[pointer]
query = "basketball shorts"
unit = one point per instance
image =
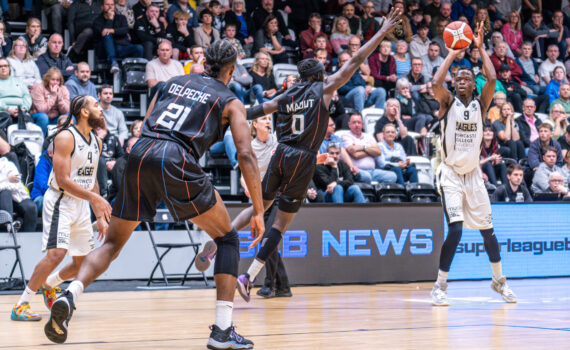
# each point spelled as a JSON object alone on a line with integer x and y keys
{"x": 289, "y": 172}
{"x": 67, "y": 223}
{"x": 465, "y": 198}
{"x": 161, "y": 170}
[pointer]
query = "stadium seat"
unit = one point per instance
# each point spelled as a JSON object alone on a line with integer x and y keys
{"x": 368, "y": 191}
{"x": 10, "y": 282}
{"x": 421, "y": 193}
{"x": 246, "y": 62}
{"x": 32, "y": 136}
{"x": 369, "y": 117}
{"x": 391, "y": 193}
{"x": 282, "y": 70}
{"x": 162, "y": 217}
{"x": 425, "y": 169}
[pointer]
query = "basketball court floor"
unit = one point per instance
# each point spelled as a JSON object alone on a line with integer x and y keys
{"x": 382, "y": 316}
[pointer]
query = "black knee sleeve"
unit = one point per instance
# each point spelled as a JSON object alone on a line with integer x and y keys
{"x": 227, "y": 258}
{"x": 269, "y": 244}
{"x": 450, "y": 245}
{"x": 491, "y": 245}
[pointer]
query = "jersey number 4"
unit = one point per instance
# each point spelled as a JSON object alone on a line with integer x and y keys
{"x": 173, "y": 117}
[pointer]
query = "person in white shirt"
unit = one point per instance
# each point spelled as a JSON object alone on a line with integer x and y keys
{"x": 163, "y": 67}
{"x": 547, "y": 66}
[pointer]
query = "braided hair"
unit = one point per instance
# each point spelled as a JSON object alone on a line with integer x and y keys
{"x": 77, "y": 104}
{"x": 219, "y": 54}
{"x": 311, "y": 70}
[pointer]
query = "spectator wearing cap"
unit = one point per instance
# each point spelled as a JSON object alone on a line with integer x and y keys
{"x": 515, "y": 94}
{"x": 420, "y": 42}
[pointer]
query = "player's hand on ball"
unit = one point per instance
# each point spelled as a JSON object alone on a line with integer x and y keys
{"x": 479, "y": 35}
{"x": 102, "y": 227}
{"x": 257, "y": 229}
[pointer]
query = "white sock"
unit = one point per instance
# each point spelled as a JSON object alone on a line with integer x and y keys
{"x": 75, "y": 288}
{"x": 224, "y": 314}
{"x": 497, "y": 270}
{"x": 54, "y": 280}
{"x": 26, "y": 296}
{"x": 441, "y": 277}
{"x": 254, "y": 269}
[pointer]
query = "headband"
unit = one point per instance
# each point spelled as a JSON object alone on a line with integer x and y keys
{"x": 308, "y": 72}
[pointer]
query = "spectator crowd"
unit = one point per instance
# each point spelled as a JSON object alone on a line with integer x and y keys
{"x": 526, "y": 129}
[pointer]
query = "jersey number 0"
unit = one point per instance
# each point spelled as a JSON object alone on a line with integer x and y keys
{"x": 175, "y": 115}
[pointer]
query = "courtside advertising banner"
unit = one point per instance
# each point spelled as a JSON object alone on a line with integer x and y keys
{"x": 357, "y": 244}
{"x": 534, "y": 240}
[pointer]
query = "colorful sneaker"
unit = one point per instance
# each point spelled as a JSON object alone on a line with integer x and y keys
{"x": 23, "y": 313}
{"x": 244, "y": 286}
{"x": 500, "y": 286}
{"x": 61, "y": 312}
{"x": 439, "y": 295}
{"x": 207, "y": 254}
{"x": 50, "y": 294}
{"x": 227, "y": 339}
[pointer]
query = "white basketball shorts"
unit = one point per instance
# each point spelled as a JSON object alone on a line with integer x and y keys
{"x": 67, "y": 223}
{"x": 465, "y": 198}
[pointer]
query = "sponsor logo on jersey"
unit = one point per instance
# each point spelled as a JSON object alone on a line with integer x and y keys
{"x": 85, "y": 171}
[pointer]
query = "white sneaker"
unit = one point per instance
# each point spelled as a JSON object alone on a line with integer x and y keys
{"x": 439, "y": 295}
{"x": 500, "y": 286}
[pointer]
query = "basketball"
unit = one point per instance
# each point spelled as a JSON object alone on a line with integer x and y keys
{"x": 457, "y": 35}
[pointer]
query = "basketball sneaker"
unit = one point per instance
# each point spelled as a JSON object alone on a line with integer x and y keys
{"x": 227, "y": 339}
{"x": 204, "y": 258}
{"x": 49, "y": 294}
{"x": 439, "y": 295}
{"x": 61, "y": 312}
{"x": 244, "y": 286}
{"x": 22, "y": 312}
{"x": 500, "y": 286}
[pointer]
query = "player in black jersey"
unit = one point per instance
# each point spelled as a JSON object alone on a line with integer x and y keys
{"x": 301, "y": 128}
{"x": 184, "y": 119}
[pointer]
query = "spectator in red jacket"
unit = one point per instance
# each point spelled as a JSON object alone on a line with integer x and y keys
{"x": 499, "y": 57}
{"x": 383, "y": 67}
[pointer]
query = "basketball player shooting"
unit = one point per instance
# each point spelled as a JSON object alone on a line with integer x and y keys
{"x": 185, "y": 118}
{"x": 464, "y": 196}
{"x": 301, "y": 129}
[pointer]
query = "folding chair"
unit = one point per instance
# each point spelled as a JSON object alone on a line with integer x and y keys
{"x": 162, "y": 217}
{"x": 11, "y": 282}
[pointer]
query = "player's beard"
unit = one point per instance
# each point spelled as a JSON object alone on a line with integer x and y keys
{"x": 95, "y": 122}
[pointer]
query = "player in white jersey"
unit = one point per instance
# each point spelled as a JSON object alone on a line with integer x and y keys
{"x": 66, "y": 216}
{"x": 464, "y": 196}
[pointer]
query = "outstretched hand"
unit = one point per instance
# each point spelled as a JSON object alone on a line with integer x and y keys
{"x": 479, "y": 35}
{"x": 391, "y": 20}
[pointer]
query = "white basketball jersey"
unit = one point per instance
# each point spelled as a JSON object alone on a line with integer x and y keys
{"x": 462, "y": 130}
{"x": 84, "y": 161}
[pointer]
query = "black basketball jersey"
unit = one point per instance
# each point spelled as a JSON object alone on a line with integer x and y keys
{"x": 302, "y": 118}
{"x": 189, "y": 110}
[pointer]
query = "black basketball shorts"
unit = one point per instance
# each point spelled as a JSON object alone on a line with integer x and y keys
{"x": 290, "y": 171}
{"x": 161, "y": 170}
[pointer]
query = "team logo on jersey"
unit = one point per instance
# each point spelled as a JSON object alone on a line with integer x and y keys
{"x": 465, "y": 126}
{"x": 85, "y": 171}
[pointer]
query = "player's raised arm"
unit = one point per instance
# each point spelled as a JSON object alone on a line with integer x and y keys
{"x": 442, "y": 95}
{"x": 235, "y": 113}
{"x": 338, "y": 79}
{"x": 488, "y": 69}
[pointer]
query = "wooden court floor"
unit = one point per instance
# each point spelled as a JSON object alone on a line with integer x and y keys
{"x": 383, "y": 316}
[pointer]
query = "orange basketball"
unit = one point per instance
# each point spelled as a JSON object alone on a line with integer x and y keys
{"x": 457, "y": 35}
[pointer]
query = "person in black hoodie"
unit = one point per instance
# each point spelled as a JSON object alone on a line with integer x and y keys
{"x": 112, "y": 32}
{"x": 515, "y": 94}
{"x": 179, "y": 34}
{"x": 80, "y": 19}
{"x": 149, "y": 29}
